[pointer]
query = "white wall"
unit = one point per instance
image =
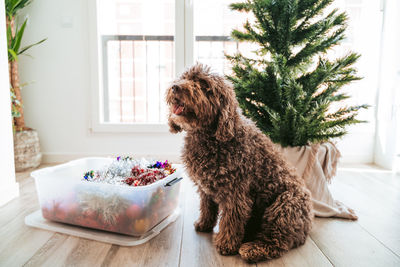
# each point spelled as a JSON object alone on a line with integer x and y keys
{"x": 57, "y": 104}
{"x": 8, "y": 187}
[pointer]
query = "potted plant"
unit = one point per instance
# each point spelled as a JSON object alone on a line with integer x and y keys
{"x": 289, "y": 87}
{"x": 26, "y": 140}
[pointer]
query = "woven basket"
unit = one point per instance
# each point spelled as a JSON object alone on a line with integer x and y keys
{"x": 26, "y": 150}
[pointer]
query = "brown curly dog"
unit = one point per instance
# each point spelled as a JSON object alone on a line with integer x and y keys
{"x": 265, "y": 208}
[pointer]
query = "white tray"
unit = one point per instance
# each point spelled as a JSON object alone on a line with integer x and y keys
{"x": 36, "y": 219}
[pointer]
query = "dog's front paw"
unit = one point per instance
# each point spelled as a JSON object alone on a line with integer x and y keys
{"x": 201, "y": 226}
{"x": 226, "y": 246}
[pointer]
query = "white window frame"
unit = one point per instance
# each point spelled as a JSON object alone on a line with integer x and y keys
{"x": 184, "y": 40}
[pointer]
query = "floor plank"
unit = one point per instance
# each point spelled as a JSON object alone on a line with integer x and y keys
{"x": 386, "y": 178}
{"x": 374, "y": 216}
{"x": 64, "y": 250}
{"x": 22, "y": 241}
{"x": 87, "y": 253}
{"x": 365, "y": 242}
{"x": 55, "y": 252}
{"x": 307, "y": 255}
{"x": 379, "y": 191}
{"x": 163, "y": 250}
{"x": 346, "y": 243}
{"x": 23, "y": 246}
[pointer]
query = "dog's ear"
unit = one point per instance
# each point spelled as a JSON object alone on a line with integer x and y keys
{"x": 227, "y": 119}
{"x": 173, "y": 127}
{"x": 205, "y": 83}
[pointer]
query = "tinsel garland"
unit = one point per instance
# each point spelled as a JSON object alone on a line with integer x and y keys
{"x": 130, "y": 172}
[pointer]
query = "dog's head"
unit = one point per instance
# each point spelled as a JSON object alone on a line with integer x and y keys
{"x": 202, "y": 100}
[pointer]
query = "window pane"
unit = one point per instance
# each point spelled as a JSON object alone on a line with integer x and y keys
{"x": 363, "y": 36}
{"x": 213, "y": 24}
{"x": 138, "y": 58}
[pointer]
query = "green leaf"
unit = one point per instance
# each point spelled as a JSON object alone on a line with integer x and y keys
{"x": 30, "y": 46}
{"x": 14, "y": 6}
{"x": 9, "y": 35}
{"x": 19, "y": 33}
{"x": 240, "y": 6}
{"x": 12, "y": 56}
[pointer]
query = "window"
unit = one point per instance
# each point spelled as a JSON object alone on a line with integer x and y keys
{"x": 137, "y": 43}
{"x": 143, "y": 44}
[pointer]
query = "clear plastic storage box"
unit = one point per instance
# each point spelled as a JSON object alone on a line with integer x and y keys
{"x": 65, "y": 197}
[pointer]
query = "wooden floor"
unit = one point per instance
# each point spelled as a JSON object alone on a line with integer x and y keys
{"x": 373, "y": 240}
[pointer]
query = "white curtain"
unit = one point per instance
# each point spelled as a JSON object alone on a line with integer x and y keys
{"x": 388, "y": 127}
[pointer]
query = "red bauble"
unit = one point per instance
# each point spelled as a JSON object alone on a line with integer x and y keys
{"x": 134, "y": 211}
{"x": 73, "y": 209}
{"x": 60, "y": 215}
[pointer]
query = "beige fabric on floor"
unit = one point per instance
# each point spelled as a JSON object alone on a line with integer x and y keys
{"x": 317, "y": 165}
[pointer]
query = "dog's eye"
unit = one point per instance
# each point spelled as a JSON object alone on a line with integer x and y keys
{"x": 175, "y": 89}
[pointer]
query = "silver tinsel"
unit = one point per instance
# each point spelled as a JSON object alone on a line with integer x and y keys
{"x": 107, "y": 205}
{"x": 118, "y": 170}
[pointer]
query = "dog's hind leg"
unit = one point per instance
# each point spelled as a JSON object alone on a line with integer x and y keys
{"x": 285, "y": 225}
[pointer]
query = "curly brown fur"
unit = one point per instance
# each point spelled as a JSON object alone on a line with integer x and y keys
{"x": 264, "y": 207}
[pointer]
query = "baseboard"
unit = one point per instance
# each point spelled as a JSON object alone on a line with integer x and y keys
{"x": 356, "y": 159}
{"x": 8, "y": 192}
{"x": 64, "y": 157}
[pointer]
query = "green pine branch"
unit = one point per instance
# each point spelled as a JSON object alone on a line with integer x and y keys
{"x": 290, "y": 86}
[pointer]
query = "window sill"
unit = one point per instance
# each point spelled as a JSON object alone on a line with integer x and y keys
{"x": 129, "y": 128}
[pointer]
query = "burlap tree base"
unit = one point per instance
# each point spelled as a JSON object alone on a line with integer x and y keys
{"x": 317, "y": 165}
{"x": 26, "y": 150}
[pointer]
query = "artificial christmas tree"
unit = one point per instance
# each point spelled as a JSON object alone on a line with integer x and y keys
{"x": 290, "y": 84}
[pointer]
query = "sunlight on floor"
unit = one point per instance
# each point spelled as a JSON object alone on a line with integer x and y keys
{"x": 363, "y": 168}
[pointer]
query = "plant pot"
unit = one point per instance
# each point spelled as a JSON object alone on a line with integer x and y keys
{"x": 26, "y": 150}
{"x": 317, "y": 164}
